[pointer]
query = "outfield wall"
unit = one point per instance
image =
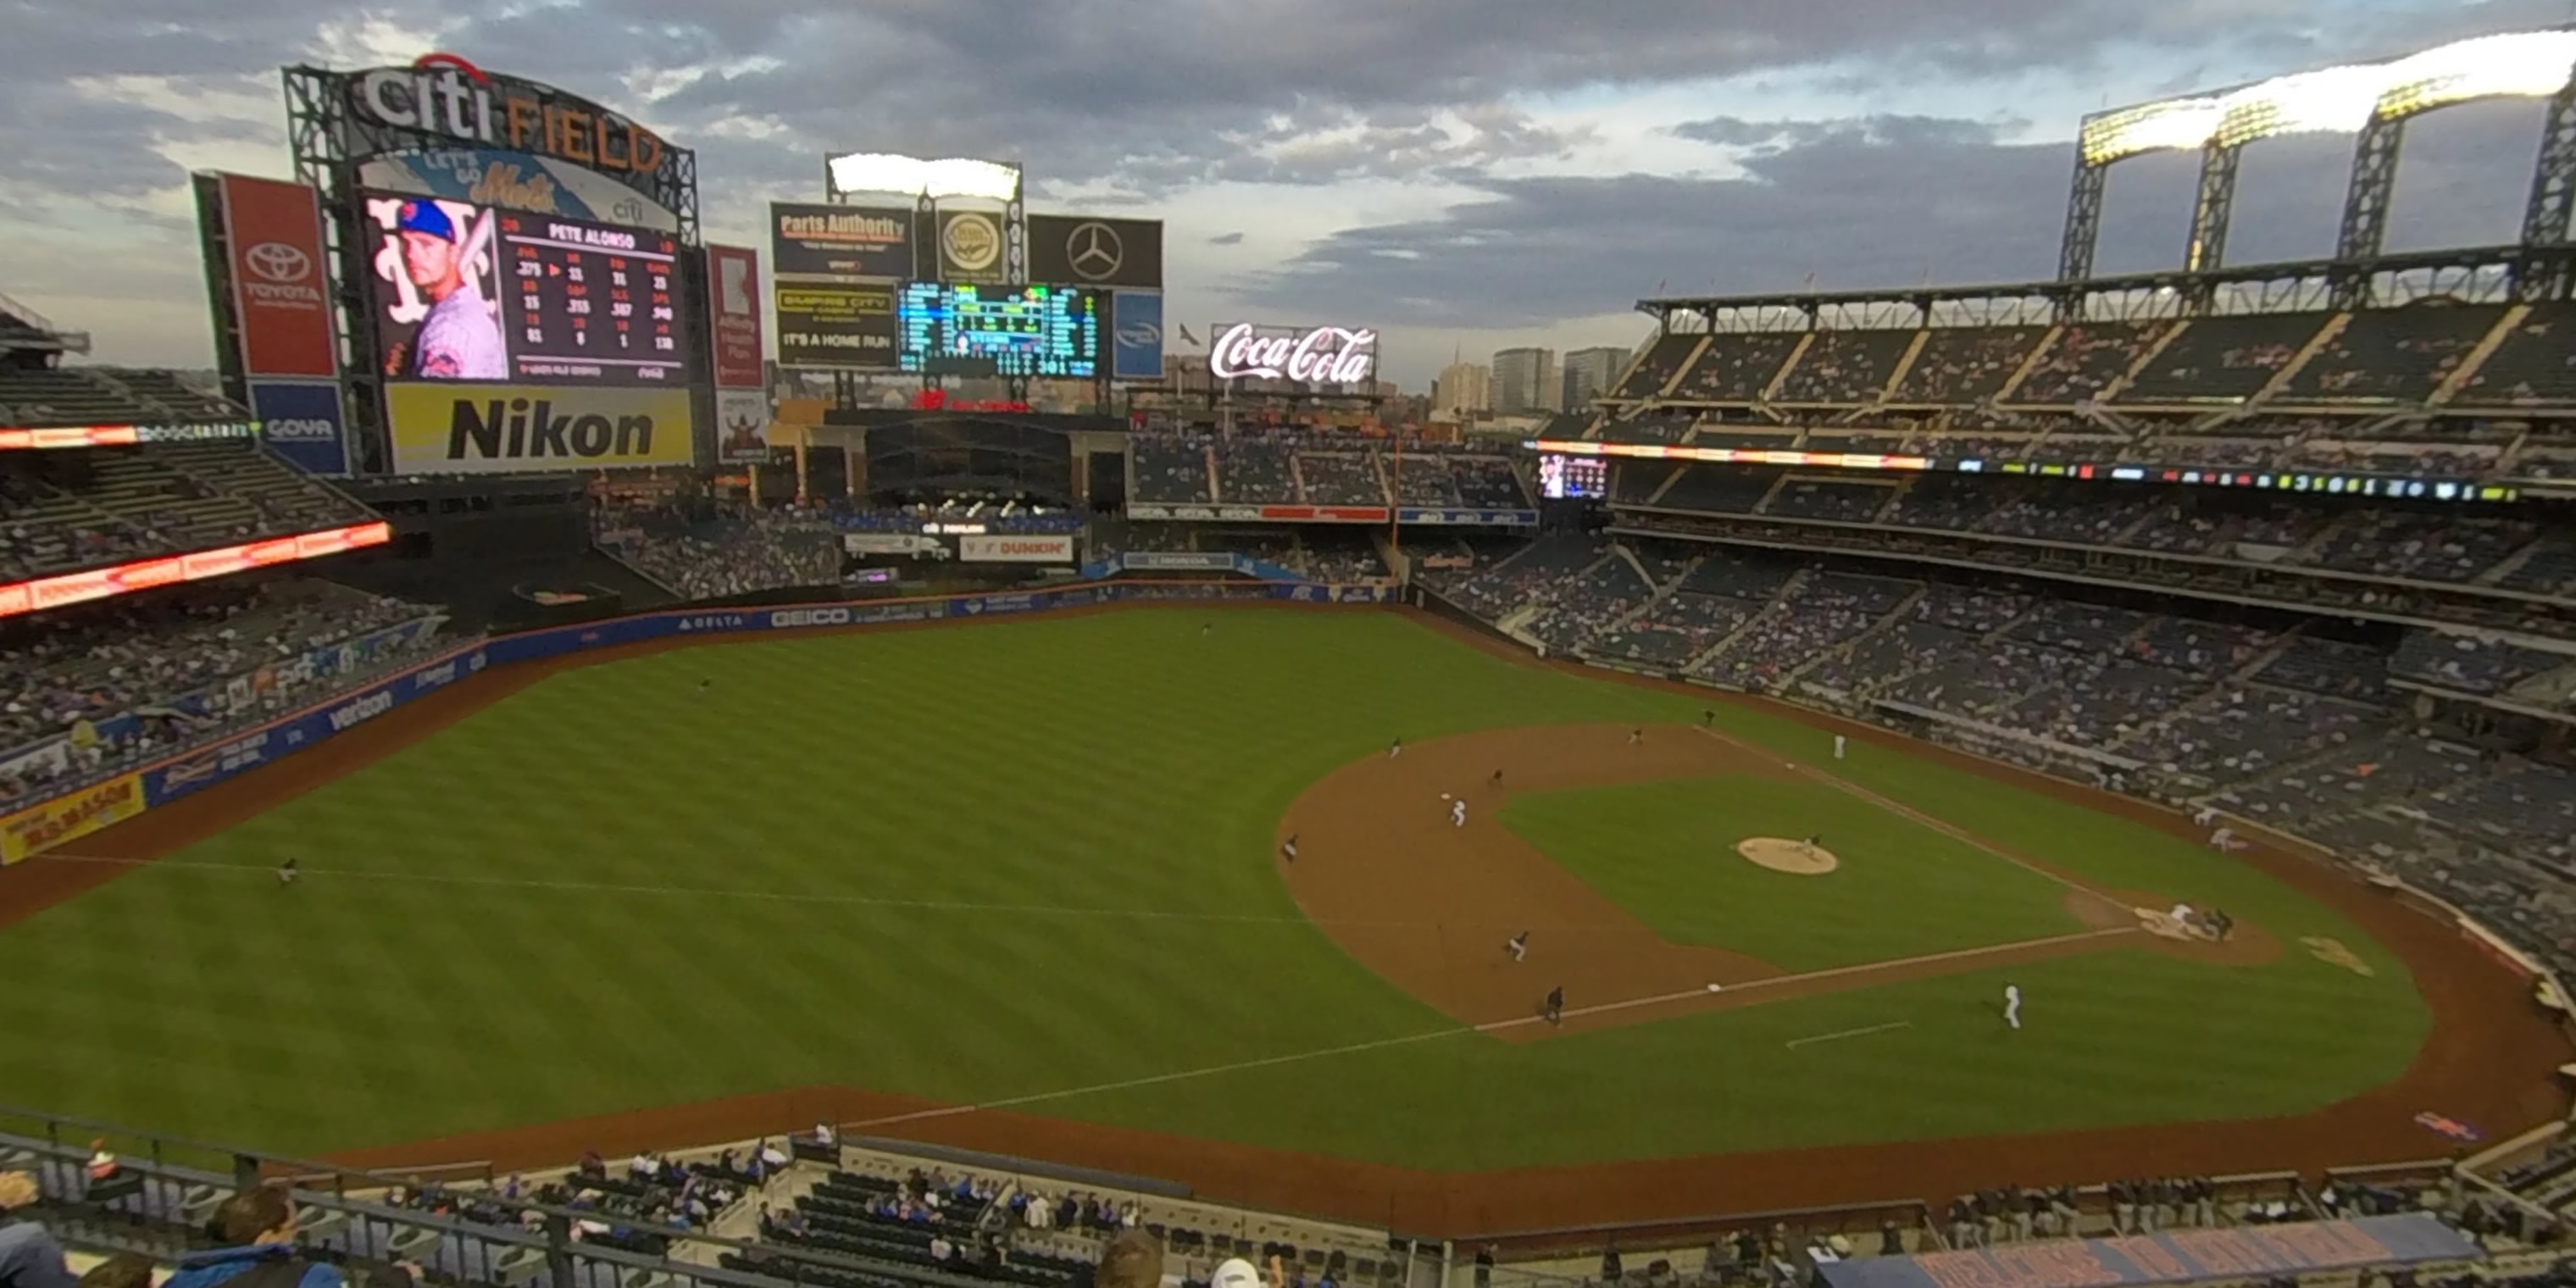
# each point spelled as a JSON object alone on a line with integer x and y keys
{"x": 102, "y": 804}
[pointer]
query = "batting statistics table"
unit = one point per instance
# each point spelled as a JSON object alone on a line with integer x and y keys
{"x": 594, "y": 303}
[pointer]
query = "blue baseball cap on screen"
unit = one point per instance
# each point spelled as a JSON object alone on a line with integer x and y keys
{"x": 425, "y": 217}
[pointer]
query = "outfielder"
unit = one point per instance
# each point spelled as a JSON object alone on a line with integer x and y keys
{"x": 2012, "y": 1006}
{"x": 1838, "y": 746}
{"x": 287, "y": 872}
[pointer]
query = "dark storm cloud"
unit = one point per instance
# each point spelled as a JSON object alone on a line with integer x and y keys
{"x": 1878, "y": 202}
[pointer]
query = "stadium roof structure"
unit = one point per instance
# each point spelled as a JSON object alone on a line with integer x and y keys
{"x": 2373, "y": 101}
{"x": 2309, "y": 284}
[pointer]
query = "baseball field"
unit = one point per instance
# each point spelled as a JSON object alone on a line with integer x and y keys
{"x": 1020, "y": 885}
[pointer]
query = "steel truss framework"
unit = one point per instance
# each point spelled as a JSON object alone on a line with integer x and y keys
{"x": 2471, "y": 275}
{"x": 2364, "y": 226}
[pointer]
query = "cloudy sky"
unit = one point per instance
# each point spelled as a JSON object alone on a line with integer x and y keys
{"x": 1464, "y": 174}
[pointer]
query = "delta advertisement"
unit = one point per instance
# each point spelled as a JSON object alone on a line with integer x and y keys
{"x": 1422, "y": 515}
{"x": 76, "y": 814}
{"x": 504, "y": 429}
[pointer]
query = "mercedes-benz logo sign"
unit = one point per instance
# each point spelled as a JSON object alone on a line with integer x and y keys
{"x": 1094, "y": 250}
{"x": 1141, "y": 335}
{"x": 278, "y": 262}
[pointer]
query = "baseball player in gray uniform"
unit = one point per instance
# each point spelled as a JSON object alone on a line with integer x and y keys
{"x": 460, "y": 339}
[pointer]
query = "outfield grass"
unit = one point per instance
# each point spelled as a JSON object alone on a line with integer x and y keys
{"x": 915, "y": 862}
{"x": 1901, "y": 890}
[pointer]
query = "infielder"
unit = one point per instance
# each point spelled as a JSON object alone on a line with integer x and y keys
{"x": 1556, "y": 1005}
{"x": 1458, "y": 812}
{"x": 1395, "y": 749}
{"x": 1288, "y": 848}
{"x": 460, "y": 339}
{"x": 2012, "y": 1006}
{"x": 1517, "y": 945}
{"x": 1636, "y": 736}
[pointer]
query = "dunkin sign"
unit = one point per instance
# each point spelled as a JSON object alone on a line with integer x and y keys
{"x": 1324, "y": 355}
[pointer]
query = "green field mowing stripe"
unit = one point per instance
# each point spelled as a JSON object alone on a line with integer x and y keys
{"x": 1901, "y": 890}
{"x": 1111, "y": 762}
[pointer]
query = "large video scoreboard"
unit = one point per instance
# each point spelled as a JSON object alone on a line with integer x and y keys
{"x": 1050, "y": 332}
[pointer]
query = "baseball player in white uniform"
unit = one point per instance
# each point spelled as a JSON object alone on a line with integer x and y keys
{"x": 1458, "y": 812}
{"x": 461, "y": 338}
{"x": 2012, "y": 1006}
{"x": 1838, "y": 746}
{"x": 1517, "y": 945}
{"x": 1395, "y": 749}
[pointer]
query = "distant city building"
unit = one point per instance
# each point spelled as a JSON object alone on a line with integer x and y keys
{"x": 1525, "y": 380}
{"x": 1464, "y": 388}
{"x": 1590, "y": 373}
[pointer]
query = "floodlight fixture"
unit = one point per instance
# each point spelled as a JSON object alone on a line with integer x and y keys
{"x": 890, "y": 172}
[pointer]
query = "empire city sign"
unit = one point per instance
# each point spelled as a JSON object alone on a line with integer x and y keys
{"x": 1329, "y": 355}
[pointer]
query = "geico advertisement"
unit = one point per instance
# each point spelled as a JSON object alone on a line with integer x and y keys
{"x": 489, "y": 429}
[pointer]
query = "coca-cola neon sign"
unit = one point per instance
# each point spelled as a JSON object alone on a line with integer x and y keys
{"x": 1324, "y": 355}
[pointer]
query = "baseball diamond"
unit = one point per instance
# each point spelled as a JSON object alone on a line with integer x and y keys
{"x": 547, "y": 934}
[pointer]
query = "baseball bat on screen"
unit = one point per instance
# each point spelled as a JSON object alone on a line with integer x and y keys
{"x": 476, "y": 239}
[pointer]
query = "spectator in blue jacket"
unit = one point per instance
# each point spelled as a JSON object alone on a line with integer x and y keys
{"x": 257, "y": 1230}
{"x": 29, "y": 1257}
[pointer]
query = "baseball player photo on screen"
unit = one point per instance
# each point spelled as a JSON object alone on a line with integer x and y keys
{"x": 436, "y": 291}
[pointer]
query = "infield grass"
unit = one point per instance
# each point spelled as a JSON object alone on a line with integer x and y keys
{"x": 1901, "y": 890}
{"x": 1033, "y": 858}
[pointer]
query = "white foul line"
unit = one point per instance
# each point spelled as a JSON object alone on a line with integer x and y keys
{"x": 1795, "y": 1043}
{"x": 1490, "y": 1026}
{"x": 1903, "y": 811}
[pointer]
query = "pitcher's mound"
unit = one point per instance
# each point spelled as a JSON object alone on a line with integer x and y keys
{"x": 1797, "y": 858}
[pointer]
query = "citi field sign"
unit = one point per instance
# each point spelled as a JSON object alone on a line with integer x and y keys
{"x": 1324, "y": 355}
{"x": 445, "y": 96}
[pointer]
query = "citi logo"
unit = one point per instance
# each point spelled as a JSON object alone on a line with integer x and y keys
{"x": 362, "y": 710}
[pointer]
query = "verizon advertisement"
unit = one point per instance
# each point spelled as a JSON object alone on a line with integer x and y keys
{"x": 1006, "y": 549}
{"x": 734, "y": 273}
{"x": 280, "y": 293}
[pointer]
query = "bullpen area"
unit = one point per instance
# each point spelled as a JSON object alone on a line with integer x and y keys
{"x": 1027, "y": 886}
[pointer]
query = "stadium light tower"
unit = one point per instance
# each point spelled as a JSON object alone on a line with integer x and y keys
{"x": 2371, "y": 100}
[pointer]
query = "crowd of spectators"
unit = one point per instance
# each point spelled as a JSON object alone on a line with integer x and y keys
{"x": 2085, "y": 360}
{"x": 738, "y": 552}
{"x": 62, "y": 512}
{"x": 1959, "y": 364}
{"x": 2284, "y": 722}
{"x": 992, "y": 517}
{"x": 99, "y": 686}
{"x": 1736, "y": 368}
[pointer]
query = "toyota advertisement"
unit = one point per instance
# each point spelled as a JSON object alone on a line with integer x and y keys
{"x": 279, "y": 291}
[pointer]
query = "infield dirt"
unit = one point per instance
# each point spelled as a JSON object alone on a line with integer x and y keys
{"x": 2489, "y": 1059}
